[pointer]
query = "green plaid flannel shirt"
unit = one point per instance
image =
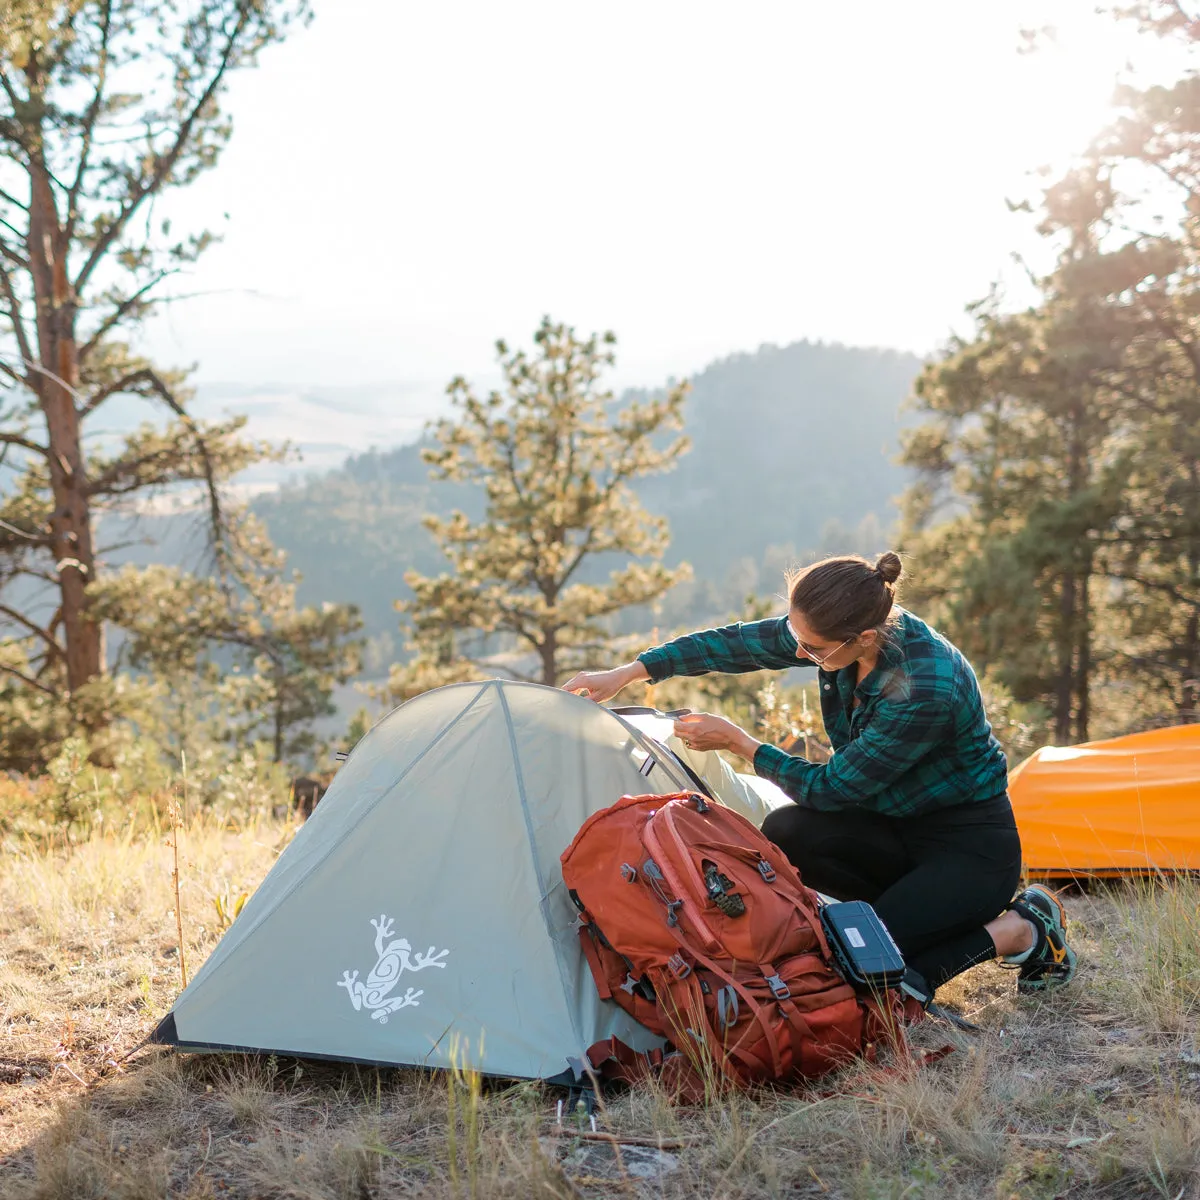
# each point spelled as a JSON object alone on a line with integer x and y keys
{"x": 918, "y": 740}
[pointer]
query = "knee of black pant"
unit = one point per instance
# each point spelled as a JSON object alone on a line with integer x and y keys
{"x": 849, "y": 855}
{"x": 800, "y": 834}
{"x": 785, "y": 827}
{"x": 780, "y": 821}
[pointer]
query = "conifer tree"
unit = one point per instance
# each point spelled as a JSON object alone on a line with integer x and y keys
{"x": 1018, "y": 441}
{"x": 105, "y": 105}
{"x": 1066, "y": 437}
{"x": 267, "y": 667}
{"x": 1152, "y": 270}
{"x": 555, "y": 458}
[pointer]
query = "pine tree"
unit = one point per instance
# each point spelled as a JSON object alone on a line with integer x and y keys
{"x": 1019, "y": 418}
{"x": 267, "y": 667}
{"x": 1153, "y": 271}
{"x": 1067, "y": 436}
{"x": 555, "y": 458}
{"x": 105, "y": 105}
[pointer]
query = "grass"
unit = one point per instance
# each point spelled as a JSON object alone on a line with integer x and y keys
{"x": 1092, "y": 1093}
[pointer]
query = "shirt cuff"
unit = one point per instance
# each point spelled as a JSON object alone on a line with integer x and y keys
{"x": 657, "y": 663}
{"x": 769, "y": 761}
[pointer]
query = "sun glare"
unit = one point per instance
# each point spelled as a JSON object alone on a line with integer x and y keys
{"x": 1060, "y": 96}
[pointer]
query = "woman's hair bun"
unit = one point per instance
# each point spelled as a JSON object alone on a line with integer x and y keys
{"x": 889, "y": 566}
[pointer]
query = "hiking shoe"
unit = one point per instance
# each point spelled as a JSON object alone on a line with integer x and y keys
{"x": 1051, "y": 962}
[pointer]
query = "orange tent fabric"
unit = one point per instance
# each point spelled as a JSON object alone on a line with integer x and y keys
{"x": 1128, "y": 805}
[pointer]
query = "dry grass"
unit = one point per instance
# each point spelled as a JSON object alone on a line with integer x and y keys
{"x": 1095, "y": 1093}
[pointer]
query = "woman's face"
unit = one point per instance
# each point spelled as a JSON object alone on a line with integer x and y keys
{"x": 812, "y": 647}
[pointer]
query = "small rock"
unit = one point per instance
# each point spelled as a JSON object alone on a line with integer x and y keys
{"x": 600, "y": 1159}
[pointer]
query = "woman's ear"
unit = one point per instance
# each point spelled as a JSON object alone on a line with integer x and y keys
{"x": 869, "y": 639}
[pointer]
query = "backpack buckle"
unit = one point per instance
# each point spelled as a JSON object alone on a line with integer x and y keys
{"x": 679, "y": 966}
{"x": 766, "y": 870}
{"x": 628, "y": 872}
{"x": 779, "y": 989}
{"x": 702, "y": 805}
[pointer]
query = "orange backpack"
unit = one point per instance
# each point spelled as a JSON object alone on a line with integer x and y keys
{"x": 700, "y": 928}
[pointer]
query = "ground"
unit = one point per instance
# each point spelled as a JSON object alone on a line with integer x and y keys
{"x": 1094, "y": 1092}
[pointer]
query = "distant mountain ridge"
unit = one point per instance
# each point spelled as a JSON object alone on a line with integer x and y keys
{"x": 793, "y": 454}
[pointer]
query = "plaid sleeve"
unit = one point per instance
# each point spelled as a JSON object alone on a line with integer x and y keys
{"x": 730, "y": 650}
{"x": 897, "y": 737}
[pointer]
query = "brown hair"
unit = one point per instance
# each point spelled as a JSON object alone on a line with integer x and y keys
{"x": 845, "y": 596}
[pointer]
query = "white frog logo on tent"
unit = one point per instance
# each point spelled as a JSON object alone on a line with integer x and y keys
{"x": 395, "y": 957}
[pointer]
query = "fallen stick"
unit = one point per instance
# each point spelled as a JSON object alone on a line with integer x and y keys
{"x": 622, "y": 1139}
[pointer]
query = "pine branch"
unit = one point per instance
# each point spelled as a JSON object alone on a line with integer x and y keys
{"x": 88, "y": 131}
{"x": 34, "y": 573}
{"x": 165, "y": 163}
{"x": 15, "y": 439}
{"x": 12, "y": 129}
{"x": 34, "y": 628}
{"x": 19, "y": 234}
{"x": 114, "y": 318}
{"x": 13, "y": 257}
{"x": 15, "y": 315}
{"x": 110, "y": 484}
{"x": 8, "y": 545}
{"x": 151, "y": 379}
{"x": 29, "y": 681}
{"x": 1157, "y": 585}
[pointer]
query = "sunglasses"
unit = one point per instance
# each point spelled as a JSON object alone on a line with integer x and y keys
{"x": 819, "y": 657}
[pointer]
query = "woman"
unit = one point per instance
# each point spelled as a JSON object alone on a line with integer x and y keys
{"x": 911, "y": 813}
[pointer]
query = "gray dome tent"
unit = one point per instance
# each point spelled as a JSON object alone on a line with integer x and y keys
{"x": 419, "y": 916}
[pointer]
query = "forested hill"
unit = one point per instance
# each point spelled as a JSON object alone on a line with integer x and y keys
{"x": 789, "y": 444}
{"x": 792, "y": 454}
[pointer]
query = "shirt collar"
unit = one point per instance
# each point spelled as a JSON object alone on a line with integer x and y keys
{"x": 891, "y": 656}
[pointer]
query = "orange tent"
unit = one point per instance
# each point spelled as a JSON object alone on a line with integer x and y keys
{"x": 1127, "y": 805}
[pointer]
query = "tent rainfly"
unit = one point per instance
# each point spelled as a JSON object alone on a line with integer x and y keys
{"x": 1129, "y": 805}
{"x": 419, "y": 916}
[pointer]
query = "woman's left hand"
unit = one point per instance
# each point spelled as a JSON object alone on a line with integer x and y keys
{"x": 703, "y": 731}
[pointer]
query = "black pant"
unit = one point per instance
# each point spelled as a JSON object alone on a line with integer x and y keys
{"x": 934, "y": 879}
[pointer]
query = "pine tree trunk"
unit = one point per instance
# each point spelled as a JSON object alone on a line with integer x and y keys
{"x": 1064, "y": 688}
{"x": 1083, "y": 677}
{"x": 1069, "y": 596}
{"x": 1189, "y": 691}
{"x": 548, "y": 651}
{"x": 56, "y": 382}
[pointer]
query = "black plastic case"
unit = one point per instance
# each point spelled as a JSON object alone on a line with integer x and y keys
{"x": 862, "y": 946}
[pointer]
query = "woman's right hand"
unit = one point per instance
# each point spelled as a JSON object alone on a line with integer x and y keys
{"x": 604, "y": 685}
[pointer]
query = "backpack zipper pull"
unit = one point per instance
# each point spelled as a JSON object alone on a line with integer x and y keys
{"x": 658, "y": 883}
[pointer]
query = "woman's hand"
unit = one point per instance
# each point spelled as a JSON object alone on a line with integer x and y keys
{"x": 703, "y": 731}
{"x": 604, "y": 685}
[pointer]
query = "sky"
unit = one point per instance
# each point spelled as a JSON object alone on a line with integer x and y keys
{"x": 408, "y": 181}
